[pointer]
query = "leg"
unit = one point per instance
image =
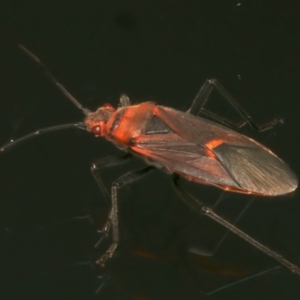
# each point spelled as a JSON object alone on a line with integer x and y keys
{"x": 109, "y": 161}
{"x": 233, "y": 223}
{"x": 203, "y": 95}
{"x": 113, "y": 215}
{"x": 106, "y": 162}
{"x": 195, "y": 204}
{"x": 212, "y": 215}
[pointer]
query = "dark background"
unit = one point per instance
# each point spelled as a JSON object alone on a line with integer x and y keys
{"x": 161, "y": 51}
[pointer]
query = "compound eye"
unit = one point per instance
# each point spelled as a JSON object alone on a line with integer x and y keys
{"x": 96, "y": 130}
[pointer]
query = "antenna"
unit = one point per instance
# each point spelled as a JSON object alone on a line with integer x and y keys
{"x": 46, "y": 71}
{"x": 54, "y": 80}
{"x": 79, "y": 125}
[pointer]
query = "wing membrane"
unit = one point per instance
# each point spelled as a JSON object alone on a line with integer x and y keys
{"x": 183, "y": 157}
{"x": 256, "y": 169}
{"x": 237, "y": 163}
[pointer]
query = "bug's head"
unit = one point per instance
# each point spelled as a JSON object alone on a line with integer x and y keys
{"x": 96, "y": 122}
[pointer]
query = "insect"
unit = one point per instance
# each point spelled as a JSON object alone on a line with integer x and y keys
{"x": 181, "y": 143}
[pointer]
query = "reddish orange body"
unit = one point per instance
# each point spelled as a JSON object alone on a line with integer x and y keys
{"x": 195, "y": 148}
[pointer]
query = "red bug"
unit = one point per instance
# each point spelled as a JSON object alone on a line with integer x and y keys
{"x": 195, "y": 148}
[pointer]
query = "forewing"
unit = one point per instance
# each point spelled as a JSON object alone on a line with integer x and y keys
{"x": 199, "y": 130}
{"x": 235, "y": 162}
{"x": 183, "y": 157}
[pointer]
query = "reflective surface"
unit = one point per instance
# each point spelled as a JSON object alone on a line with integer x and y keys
{"x": 151, "y": 52}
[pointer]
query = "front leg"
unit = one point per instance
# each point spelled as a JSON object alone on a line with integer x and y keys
{"x": 106, "y": 162}
{"x": 113, "y": 222}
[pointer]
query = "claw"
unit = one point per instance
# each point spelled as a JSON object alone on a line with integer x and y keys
{"x": 107, "y": 255}
{"x": 106, "y": 227}
{"x": 102, "y": 260}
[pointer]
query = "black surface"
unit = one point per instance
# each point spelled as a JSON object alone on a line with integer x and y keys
{"x": 161, "y": 51}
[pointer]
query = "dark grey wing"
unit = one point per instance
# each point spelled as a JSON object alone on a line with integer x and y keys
{"x": 183, "y": 157}
{"x": 256, "y": 169}
{"x": 200, "y": 130}
{"x": 206, "y": 152}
